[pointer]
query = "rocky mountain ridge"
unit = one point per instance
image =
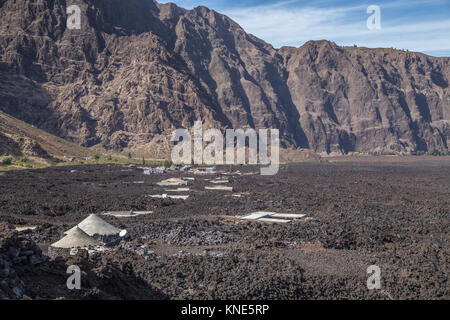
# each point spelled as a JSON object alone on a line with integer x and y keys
{"x": 137, "y": 69}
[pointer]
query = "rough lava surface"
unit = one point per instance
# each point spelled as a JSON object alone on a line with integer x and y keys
{"x": 391, "y": 213}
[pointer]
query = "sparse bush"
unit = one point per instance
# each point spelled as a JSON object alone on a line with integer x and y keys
{"x": 23, "y": 162}
{"x": 418, "y": 153}
{"x": 438, "y": 153}
{"x": 97, "y": 157}
{"x": 434, "y": 153}
{"x": 167, "y": 163}
{"x": 7, "y": 160}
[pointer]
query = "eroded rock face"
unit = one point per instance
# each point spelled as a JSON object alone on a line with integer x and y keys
{"x": 138, "y": 69}
{"x": 8, "y": 146}
{"x": 358, "y": 99}
{"x": 17, "y": 146}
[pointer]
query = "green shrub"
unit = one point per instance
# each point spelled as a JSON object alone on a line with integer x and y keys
{"x": 419, "y": 153}
{"x": 438, "y": 153}
{"x": 167, "y": 163}
{"x": 7, "y": 160}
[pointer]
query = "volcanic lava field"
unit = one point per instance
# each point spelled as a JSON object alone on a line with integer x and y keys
{"x": 393, "y": 213}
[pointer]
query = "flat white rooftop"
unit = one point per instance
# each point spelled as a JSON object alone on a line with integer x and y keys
{"x": 272, "y": 217}
{"x": 172, "y": 182}
{"x": 220, "y": 188}
{"x": 178, "y": 190}
{"x": 220, "y": 181}
{"x": 165, "y": 196}
{"x": 127, "y": 214}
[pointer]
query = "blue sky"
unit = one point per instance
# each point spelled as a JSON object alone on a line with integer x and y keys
{"x": 416, "y": 25}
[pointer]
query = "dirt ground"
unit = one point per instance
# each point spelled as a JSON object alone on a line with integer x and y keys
{"x": 389, "y": 212}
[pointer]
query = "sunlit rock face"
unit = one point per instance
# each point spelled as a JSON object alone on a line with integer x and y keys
{"x": 137, "y": 69}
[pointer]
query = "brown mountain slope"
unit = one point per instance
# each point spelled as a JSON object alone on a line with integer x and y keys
{"x": 138, "y": 69}
{"x": 18, "y": 138}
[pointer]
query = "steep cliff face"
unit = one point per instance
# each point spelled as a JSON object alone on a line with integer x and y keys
{"x": 114, "y": 82}
{"x": 358, "y": 99}
{"x": 138, "y": 69}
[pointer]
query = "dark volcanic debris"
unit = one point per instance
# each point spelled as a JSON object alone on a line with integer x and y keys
{"x": 391, "y": 214}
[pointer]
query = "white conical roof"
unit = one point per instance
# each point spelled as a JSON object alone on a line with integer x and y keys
{"x": 76, "y": 238}
{"x": 93, "y": 225}
{"x": 70, "y": 230}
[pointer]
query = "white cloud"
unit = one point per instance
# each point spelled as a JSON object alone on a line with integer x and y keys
{"x": 284, "y": 24}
